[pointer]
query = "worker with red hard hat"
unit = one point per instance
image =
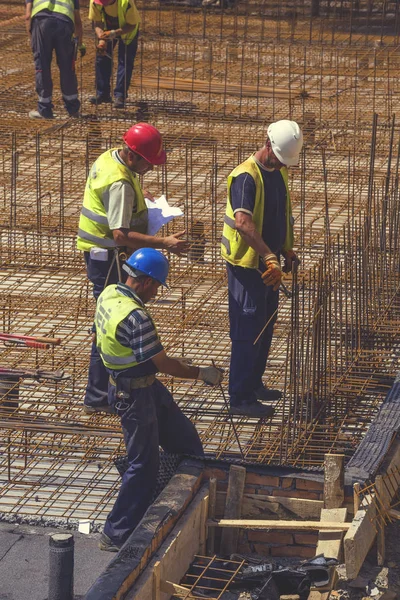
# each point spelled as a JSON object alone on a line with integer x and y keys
{"x": 114, "y": 21}
{"x": 113, "y": 221}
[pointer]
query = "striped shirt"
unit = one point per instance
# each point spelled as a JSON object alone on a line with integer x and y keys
{"x": 137, "y": 330}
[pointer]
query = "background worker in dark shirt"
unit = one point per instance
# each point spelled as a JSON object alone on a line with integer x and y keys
{"x": 258, "y": 228}
{"x": 51, "y": 25}
{"x": 114, "y": 21}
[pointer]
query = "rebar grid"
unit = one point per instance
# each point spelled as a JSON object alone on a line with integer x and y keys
{"x": 335, "y": 345}
{"x": 209, "y": 575}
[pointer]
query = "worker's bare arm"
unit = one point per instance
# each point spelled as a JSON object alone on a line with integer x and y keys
{"x": 78, "y": 26}
{"x": 135, "y": 240}
{"x": 28, "y": 13}
{"x": 176, "y": 368}
{"x": 247, "y": 229}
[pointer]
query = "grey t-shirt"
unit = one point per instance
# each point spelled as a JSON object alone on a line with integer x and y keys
{"x": 120, "y": 202}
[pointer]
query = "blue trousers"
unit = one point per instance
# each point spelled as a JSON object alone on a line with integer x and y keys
{"x": 126, "y": 59}
{"x": 152, "y": 420}
{"x": 251, "y": 305}
{"x": 97, "y": 387}
{"x": 48, "y": 34}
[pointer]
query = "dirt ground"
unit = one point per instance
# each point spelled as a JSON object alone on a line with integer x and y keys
{"x": 375, "y": 582}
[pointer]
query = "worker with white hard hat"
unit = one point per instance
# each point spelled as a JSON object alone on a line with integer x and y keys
{"x": 258, "y": 230}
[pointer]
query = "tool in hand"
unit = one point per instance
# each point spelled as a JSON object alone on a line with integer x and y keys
{"x": 30, "y": 341}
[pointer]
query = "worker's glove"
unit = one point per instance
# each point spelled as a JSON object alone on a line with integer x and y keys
{"x": 211, "y": 375}
{"x": 292, "y": 261}
{"x": 82, "y": 50}
{"x": 273, "y": 274}
{"x": 108, "y": 35}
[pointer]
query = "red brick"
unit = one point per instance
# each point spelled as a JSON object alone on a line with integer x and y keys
{"x": 286, "y": 482}
{"x": 297, "y": 494}
{"x": 308, "y": 484}
{"x": 249, "y": 490}
{"x": 275, "y": 537}
{"x": 262, "y": 480}
{"x": 219, "y": 474}
{"x": 262, "y": 549}
{"x": 300, "y": 551}
{"x": 244, "y": 548}
{"x": 306, "y": 538}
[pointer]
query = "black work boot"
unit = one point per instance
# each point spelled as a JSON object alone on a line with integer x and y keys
{"x": 99, "y": 99}
{"x": 267, "y": 394}
{"x": 255, "y": 409}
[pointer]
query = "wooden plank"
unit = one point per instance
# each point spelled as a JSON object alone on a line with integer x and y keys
{"x": 258, "y": 505}
{"x": 272, "y": 524}
{"x": 156, "y": 581}
{"x": 233, "y": 508}
{"x": 333, "y": 480}
{"x": 212, "y": 504}
{"x": 203, "y": 526}
{"x": 394, "y": 513}
{"x": 380, "y": 539}
{"x": 170, "y": 588}
{"x": 175, "y": 554}
{"x": 330, "y": 542}
{"x": 359, "y": 539}
{"x": 356, "y": 498}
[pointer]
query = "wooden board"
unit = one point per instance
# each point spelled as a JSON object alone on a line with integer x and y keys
{"x": 359, "y": 539}
{"x": 334, "y": 480}
{"x": 269, "y": 524}
{"x": 258, "y": 505}
{"x": 175, "y": 554}
{"x": 233, "y": 508}
{"x": 330, "y": 542}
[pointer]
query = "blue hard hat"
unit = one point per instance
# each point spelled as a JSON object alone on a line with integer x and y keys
{"x": 148, "y": 261}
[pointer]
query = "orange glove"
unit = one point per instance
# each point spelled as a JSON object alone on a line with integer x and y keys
{"x": 291, "y": 261}
{"x": 108, "y": 35}
{"x": 273, "y": 274}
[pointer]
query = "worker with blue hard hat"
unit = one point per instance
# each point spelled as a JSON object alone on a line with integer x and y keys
{"x": 131, "y": 350}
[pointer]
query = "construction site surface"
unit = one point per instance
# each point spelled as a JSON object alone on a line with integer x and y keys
{"x": 211, "y": 79}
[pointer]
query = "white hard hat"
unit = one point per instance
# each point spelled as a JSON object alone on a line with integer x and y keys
{"x": 286, "y": 141}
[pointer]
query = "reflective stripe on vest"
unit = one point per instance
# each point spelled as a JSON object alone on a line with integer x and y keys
{"x": 65, "y": 7}
{"x": 233, "y": 248}
{"x": 113, "y": 307}
{"x": 123, "y": 6}
{"x": 94, "y": 229}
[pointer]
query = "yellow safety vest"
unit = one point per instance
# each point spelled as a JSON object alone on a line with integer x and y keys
{"x": 64, "y": 7}
{"x": 94, "y": 230}
{"x": 113, "y": 307}
{"x": 123, "y": 6}
{"x": 233, "y": 247}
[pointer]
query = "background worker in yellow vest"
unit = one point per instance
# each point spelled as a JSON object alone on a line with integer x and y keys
{"x": 258, "y": 229}
{"x": 114, "y": 216}
{"x": 114, "y": 21}
{"x": 51, "y": 24}
{"x": 132, "y": 353}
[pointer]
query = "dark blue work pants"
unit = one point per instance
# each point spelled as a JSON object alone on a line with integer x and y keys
{"x": 251, "y": 305}
{"x": 48, "y": 34}
{"x": 126, "y": 59}
{"x": 153, "y": 419}
{"x": 97, "y": 387}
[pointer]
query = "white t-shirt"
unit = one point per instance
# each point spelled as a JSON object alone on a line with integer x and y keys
{"x": 120, "y": 202}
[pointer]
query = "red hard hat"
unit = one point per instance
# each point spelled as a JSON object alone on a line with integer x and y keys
{"x": 146, "y": 140}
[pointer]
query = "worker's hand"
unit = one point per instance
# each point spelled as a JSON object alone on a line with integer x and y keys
{"x": 273, "y": 274}
{"x": 211, "y": 375}
{"x": 148, "y": 195}
{"x": 108, "y": 35}
{"x": 101, "y": 47}
{"x": 292, "y": 261}
{"x": 82, "y": 50}
{"x": 173, "y": 244}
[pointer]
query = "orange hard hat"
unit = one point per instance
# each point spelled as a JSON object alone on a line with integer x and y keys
{"x": 146, "y": 140}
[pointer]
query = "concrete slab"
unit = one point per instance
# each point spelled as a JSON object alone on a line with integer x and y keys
{"x": 24, "y": 561}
